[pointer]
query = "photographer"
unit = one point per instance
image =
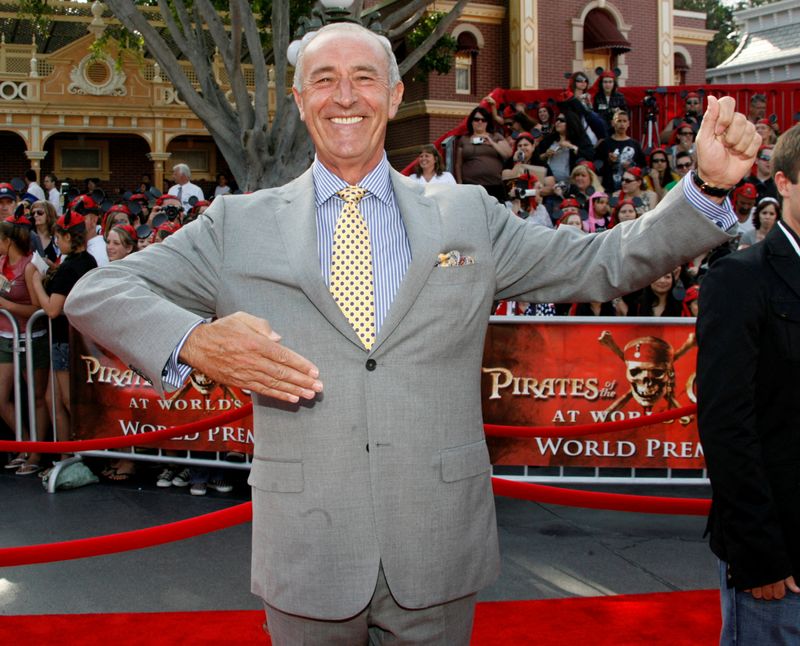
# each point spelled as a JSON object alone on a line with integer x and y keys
{"x": 522, "y": 162}
{"x": 692, "y": 117}
{"x": 480, "y": 155}
{"x": 169, "y": 206}
{"x": 524, "y": 201}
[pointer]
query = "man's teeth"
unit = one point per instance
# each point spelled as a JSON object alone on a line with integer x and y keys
{"x": 345, "y": 120}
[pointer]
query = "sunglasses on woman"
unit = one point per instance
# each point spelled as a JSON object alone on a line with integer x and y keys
{"x": 478, "y": 119}
{"x": 560, "y": 120}
{"x": 628, "y": 180}
{"x": 38, "y": 212}
{"x": 686, "y": 132}
{"x": 659, "y": 160}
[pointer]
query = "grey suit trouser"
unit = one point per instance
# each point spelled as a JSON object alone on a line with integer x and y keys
{"x": 381, "y": 622}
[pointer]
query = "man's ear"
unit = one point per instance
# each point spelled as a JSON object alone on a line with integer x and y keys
{"x": 299, "y": 101}
{"x": 395, "y": 98}
{"x": 783, "y": 184}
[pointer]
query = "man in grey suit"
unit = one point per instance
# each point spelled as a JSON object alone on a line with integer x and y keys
{"x": 373, "y": 515}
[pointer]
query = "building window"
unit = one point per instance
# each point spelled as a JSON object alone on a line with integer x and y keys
{"x": 81, "y": 158}
{"x": 465, "y": 62}
{"x": 463, "y": 73}
{"x": 602, "y": 41}
{"x": 679, "y": 69}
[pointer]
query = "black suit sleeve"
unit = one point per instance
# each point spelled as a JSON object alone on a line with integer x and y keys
{"x": 744, "y": 524}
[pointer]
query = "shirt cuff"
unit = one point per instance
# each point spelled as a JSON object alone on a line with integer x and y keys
{"x": 721, "y": 215}
{"x": 175, "y": 373}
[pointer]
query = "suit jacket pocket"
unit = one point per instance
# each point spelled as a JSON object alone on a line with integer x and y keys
{"x": 455, "y": 275}
{"x": 280, "y": 476}
{"x": 465, "y": 461}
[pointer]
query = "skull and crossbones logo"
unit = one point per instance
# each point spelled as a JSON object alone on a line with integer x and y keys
{"x": 649, "y": 369}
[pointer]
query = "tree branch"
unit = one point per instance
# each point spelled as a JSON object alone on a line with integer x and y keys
{"x": 403, "y": 27}
{"x": 419, "y": 53}
{"x": 235, "y": 73}
{"x": 280, "y": 42}
{"x": 401, "y": 15}
{"x": 260, "y": 73}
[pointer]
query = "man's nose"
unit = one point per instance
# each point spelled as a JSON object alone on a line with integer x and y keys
{"x": 345, "y": 93}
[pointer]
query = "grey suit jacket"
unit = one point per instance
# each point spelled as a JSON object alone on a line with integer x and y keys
{"x": 389, "y": 464}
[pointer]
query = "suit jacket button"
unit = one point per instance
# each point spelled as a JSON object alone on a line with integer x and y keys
{"x": 371, "y": 364}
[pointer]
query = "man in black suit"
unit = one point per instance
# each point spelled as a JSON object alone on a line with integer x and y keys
{"x": 748, "y": 370}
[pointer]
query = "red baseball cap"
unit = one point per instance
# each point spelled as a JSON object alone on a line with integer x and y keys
{"x": 746, "y": 190}
{"x": 71, "y": 221}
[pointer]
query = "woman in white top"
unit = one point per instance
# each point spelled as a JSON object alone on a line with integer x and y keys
{"x": 429, "y": 168}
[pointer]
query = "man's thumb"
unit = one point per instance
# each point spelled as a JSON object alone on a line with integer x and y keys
{"x": 709, "y": 122}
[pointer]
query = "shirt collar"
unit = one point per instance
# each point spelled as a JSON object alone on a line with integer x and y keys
{"x": 377, "y": 182}
{"x": 794, "y": 240}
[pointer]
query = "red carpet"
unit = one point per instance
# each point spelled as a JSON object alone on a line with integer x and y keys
{"x": 663, "y": 619}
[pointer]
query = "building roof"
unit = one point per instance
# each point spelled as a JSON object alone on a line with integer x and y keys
{"x": 769, "y": 45}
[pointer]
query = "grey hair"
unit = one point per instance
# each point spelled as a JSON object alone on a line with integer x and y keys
{"x": 348, "y": 27}
{"x": 183, "y": 169}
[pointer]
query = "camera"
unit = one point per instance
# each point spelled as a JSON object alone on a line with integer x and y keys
{"x": 171, "y": 211}
{"x": 526, "y": 192}
{"x": 650, "y": 102}
{"x": 477, "y": 140}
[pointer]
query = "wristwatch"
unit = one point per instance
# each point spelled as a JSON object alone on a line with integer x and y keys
{"x": 708, "y": 189}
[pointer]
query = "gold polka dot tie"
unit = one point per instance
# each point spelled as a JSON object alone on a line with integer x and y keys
{"x": 351, "y": 267}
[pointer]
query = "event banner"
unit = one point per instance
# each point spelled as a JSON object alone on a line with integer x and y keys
{"x": 552, "y": 373}
{"x": 109, "y": 399}
{"x": 536, "y": 372}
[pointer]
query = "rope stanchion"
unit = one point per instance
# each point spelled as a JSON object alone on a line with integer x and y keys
{"x": 101, "y": 443}
{"x": 126, "y": 541}
{"x": 599, "y": 500}
{"x": 500, "y": 430}
{"x": 180, "y": 530}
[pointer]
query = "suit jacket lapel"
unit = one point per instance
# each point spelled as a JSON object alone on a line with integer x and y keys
{"x": 423, "y": 227}
{"x": 297, "y": 223}
{"x": 783, "y": 258}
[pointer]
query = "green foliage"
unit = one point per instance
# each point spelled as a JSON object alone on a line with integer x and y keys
{"x": 38, "y": 12}
{"x": 124, "y": 41}
{"x": 440, "y": 58}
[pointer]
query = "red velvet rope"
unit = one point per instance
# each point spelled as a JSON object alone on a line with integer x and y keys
{"x": 125, "y": 541}
{"x": 598, "y": 500}
{"x": 499, "y": 430}
{"x": 151, "y": 536}
{"x": 101, "y": 443}
{"x": 492, "y": 430}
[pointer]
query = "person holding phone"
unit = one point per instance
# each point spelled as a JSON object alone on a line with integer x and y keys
{"x": 480, "y": 155}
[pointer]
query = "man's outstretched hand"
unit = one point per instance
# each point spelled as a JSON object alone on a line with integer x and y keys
{"x": 726, "y": 144}
{"x": 242, "y": 350}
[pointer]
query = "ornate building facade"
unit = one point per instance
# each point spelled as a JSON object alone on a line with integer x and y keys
{"x": 64, "y": 111}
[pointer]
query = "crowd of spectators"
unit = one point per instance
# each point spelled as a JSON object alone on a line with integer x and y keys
{"x": 572, "y": 162}
{"x": 49, "y": 238}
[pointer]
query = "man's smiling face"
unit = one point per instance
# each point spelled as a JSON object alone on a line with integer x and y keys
{"x": 346, "y": 101}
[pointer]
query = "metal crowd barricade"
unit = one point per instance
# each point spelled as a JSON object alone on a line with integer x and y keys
{"x": 16, "y": 349}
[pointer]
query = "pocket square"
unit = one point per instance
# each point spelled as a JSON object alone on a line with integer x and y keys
{"x": 453, "y": 259}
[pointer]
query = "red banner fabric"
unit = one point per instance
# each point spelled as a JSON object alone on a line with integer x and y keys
{"x": 535, "y": 373}
{"x": 109, "y": 399}
{"x": 544, "y": 374}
